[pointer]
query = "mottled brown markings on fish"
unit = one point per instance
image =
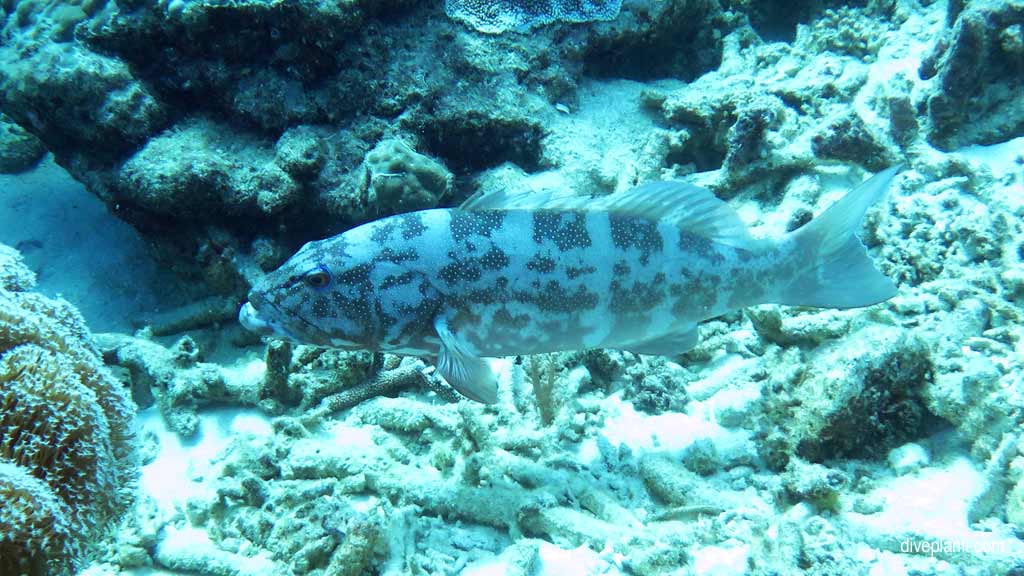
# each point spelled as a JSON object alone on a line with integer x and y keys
{"x": 553, "y": 297}
{"x": 359, "y": 311}
{"x": 464, "y": 316}
{"x": 358, "y": 274}
{"x": 484, "y": 295}
{"x": 322, "y": 308}
{"x": 574, "y": 272}
{"x": 748, "y": 286}
{"x": 393, "y": 280}
{"x": 508, "y": 330}
{"x": 700, "y": 294}
{"x": 278, "y": 297}
{"x": 396, "y": 256}
{"x": 699, "y": 245}
{"x": 494, "y": 259}
{"x": 358, "y": 307}
{"x": 382, "y": 231}
{"x": 460, "y": 270}
{"x": 567, "y": 230}
{"x": 411, "y": 225}
{"x": 744, "y": 255}
{"x": 638, "y": 297}
{"x": 386, "y": 319}
{"x": 541, "y": 264}
{"x": 634, "y": 232}
{"x": 421, "y": 315}
{"x": 504, "y": 319}
{"x": 335, "y": 246}
{"x": 464, "y": 224}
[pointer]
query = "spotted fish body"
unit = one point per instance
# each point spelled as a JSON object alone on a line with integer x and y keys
{"x": 511, "y": 275}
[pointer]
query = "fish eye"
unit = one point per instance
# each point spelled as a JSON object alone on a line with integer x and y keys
{"x": 318, "y": 278}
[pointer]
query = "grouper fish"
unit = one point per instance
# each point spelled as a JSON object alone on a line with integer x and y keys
{"x": 516, "y": 274}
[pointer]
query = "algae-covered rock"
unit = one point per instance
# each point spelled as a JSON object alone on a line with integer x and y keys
{"x": 815, "y": 483}
{"x": 19, "y": 150}
{"x": 104, "y": 112}
{"x": 860, "y": 397}
{"x": 656, "y": 388}
{"x": 848, "y": 138}
{"x": 192, "y": 171}
{"x": 300, "y": 151}
{"x": 673, "y": 38}
{"x": 976, "y": 64}
{"x": 398, "y": 179}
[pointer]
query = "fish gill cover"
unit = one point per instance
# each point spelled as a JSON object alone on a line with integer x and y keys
{"x": 787, "y": 440}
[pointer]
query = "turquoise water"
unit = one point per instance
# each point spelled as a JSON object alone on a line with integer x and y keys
{"x": 193, "y": 146}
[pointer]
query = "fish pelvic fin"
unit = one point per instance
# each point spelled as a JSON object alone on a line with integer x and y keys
{"x": 836, "y": 271}
{"x": 463, "y": 370}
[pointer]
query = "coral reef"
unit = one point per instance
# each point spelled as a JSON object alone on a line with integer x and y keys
{"x": 36, "y": 534}
{"x": 400, "y": 180}
{"x": 976, "y": 66}
{"x": 174, "y": 378}
{"x": 859, "y": 399}
{"x": 14, "y": 275}
{"x": 787, "y": 441}
{"x": 67, "y": 452}
{"x": 497, "y": 16}
{"x": 238, "y": 145}
{"x": 19, "y": 150}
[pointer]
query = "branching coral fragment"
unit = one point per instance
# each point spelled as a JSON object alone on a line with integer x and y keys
{"x": 409, "y": 373}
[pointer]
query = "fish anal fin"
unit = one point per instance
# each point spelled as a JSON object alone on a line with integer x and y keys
{"x": 670, "y": 344}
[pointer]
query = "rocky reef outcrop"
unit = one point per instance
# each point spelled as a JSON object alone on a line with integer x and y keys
{"x": 225, "y": 132}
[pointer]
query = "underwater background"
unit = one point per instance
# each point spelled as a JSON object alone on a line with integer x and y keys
{"x": 160, "y": 157}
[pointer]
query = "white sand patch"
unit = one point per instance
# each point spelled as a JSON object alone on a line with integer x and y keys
{"x": 582, "y": 561}
{"x": 926, "y": 514}
{"x": 721, "y": 561}
{"x": 192, "y": 550}
{"x": 668, "y": 432}
{"x": 244, "y": 374}
{"x": 182, "y": 469}
{"x": 80, "y": 251}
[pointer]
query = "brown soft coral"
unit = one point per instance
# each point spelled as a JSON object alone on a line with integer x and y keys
{"x": 66, "y": 450}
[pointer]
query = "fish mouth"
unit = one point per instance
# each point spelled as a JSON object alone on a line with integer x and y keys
{"x": 250, "y": 319}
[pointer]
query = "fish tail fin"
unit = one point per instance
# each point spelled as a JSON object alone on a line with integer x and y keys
{"x": 837, "y": 272}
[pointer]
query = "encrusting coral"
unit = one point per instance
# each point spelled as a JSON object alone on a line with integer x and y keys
{"x": 67, "y": 454}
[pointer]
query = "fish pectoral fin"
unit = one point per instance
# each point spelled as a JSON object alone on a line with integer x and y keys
{"x": 467, "y": 373}
{"x": 667, "y": 344}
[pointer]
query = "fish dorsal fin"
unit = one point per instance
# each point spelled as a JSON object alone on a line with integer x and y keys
{"x": 525, "y": 200}
{"x": 687, "y": 206}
